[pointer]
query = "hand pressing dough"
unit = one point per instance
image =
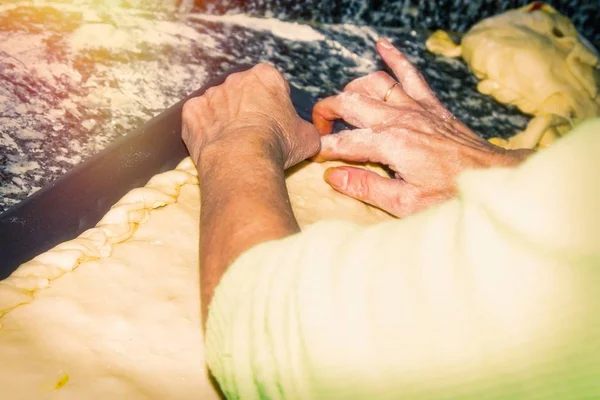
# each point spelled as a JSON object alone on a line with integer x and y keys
{"x": 115, "y": 313}
{"x": 531, "y": 57}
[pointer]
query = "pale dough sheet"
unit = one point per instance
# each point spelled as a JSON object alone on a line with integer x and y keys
{"x": 126, "y": 325}
{"x": 534, "y": 58}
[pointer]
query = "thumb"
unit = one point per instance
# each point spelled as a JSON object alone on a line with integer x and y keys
{"x": 303, "y": 143}
{"x": 366, "y": 186}
{"x": 310, "y": 136}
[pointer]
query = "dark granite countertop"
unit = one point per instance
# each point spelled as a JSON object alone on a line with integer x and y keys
{"x": 75, "y": 77}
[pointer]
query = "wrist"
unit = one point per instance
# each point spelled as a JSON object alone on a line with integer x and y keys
{"x": 243, "y": 150}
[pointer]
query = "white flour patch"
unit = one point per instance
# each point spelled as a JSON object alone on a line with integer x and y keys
{"x": 9, "y": 189}
{"x": 9, "y": 124}
{"x": 363, "y": 65}
{"x": 21, "y": 167}
{"x": 18, "y": 181}
{"x": 366, "y": 32}
{"x": 100, "y": 69}
{"x": 95, "y": 7}
{"x": 4, "y": 103}
{"x": 29, "y": 134}
{"x": 26, "y": 55}
{"x": 75, "y": 159}
{"x": 7, "y": 142}
{"x": 132, "y": 77}
{"x": 23, "y": 50}
{"x": 135, "y": 94}
{"x": 132, "y": 33}
{"x": 89, "y": 124}
{"x": 54, "y": 70}
{"x": 285, "y": 30}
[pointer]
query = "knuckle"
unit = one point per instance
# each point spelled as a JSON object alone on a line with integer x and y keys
{"x": 338, "y": 142}
{"x": 352, "y": 86}
{"x": 269, "y": 71}
{"x": 190, "y": 107}
{"x": 210, "y": 91}
{"x": 379, "y": 75}
{"x": 344, "y": 96}
{"x": 262, "y": 65}
{"x": 360, "y": 185}
{"x": 265, "y": 68}
{"x": 364, "y": 186}
{"x": 357, "y": 83}
{"x": 232, "y": 78}
{"x": 185, "y": 131}
{"x": 349, "y": 101}
{"x": 329, "y": 142}
{"x": 396, "y": 138}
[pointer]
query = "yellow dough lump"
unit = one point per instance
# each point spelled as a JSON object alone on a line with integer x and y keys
{"x": 115, "y": 313}
{"x": 531, "y": 57}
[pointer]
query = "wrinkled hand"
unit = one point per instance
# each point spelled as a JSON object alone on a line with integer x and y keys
{"x": 412, "y": 133}
{"x": 250, "y": 112}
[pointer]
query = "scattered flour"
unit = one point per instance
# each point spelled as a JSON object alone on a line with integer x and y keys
{"x": 9, "y": 189}
{"x": 135, "y": 94}
{"x": 29, "y": 134}
{"x": 123, "y": 91}
{"x": 4, "y": 103}
{"x": 21, "y": 167}
{"x": 131, "y": 32}
{"x": 92, "y": 7}
{"x": 75, "y": 159}
{"x": 88, "y": 124}
{"x": 364, "y": 65}
{"x": 285, "y": 30}
{"x": 21, "y": 49}
{"x": 9, "y": 143}
{"x": 117, "y": 67}
{"x": 365, "y": 31}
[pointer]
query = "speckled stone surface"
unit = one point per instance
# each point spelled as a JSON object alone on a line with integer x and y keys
{"x": 74, "y": 78}
{"x": 454, "y": 15}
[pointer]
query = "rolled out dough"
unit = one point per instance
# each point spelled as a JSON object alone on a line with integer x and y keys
{"x": 534, "y": 58}
{"x": 115, "y": 313}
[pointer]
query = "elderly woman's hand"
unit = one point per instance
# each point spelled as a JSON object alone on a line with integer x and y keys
{"x": 250, "y": 112}
{"x": 405, "y": 127}
{"x": 242, "y": 134}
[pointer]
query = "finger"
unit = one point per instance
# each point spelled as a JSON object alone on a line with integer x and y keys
{"x": 376, "y": 85}
{"x": 357, "y": 145}
{"x": 356, "y": 109}
{"x": 411, "y": 79}
{"x": 366, "y": 186}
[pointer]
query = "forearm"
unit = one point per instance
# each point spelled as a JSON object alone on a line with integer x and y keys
{"x": 244, "y": 202}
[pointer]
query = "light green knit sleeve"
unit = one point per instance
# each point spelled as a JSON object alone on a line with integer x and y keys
{"x": 493, "y": 295}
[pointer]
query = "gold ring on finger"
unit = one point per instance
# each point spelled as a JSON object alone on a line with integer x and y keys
{"x": 387, "y": 95}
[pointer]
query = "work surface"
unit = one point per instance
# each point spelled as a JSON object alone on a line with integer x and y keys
{"x": 74, "y": 78}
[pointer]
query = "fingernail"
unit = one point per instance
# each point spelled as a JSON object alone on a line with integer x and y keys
{"x": 336, "y": 177}
{"x": 384, "y": 42}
